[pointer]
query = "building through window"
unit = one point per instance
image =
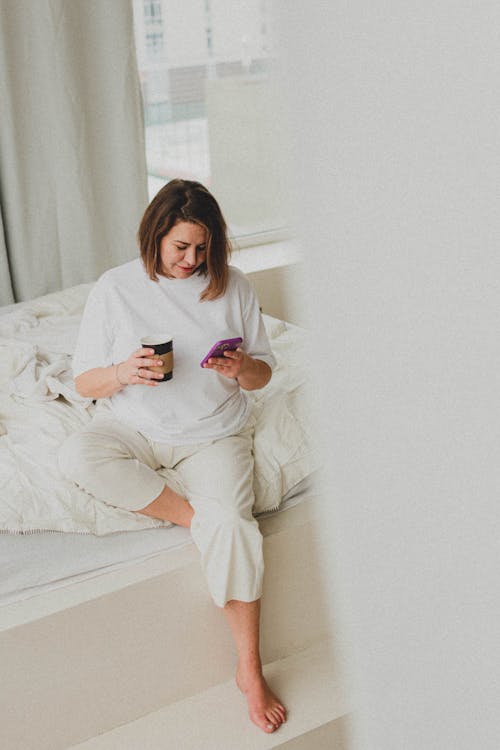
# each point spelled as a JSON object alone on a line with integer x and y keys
{"x": 205, "y": 68}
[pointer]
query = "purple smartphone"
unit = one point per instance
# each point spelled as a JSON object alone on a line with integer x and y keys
{"x": 220, "y": 347}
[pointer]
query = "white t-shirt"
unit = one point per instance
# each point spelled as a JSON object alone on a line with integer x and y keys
{"x": 198, "y": 404}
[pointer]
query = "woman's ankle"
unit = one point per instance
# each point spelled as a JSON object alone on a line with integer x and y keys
{"x": 249, "y": 668}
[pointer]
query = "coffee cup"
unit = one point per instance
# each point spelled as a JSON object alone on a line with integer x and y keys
{"x": 163, "y": 346}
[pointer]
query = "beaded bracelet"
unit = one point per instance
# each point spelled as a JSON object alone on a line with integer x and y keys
{"x": 116, "y": 375}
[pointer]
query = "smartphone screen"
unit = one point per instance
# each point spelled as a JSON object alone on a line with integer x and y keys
{"x": 220, "y": 347}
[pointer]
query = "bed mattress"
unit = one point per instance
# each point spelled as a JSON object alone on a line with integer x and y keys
{"x": 34, "y": 564}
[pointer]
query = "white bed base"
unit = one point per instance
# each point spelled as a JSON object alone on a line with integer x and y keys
{"x": 83, "y": 659}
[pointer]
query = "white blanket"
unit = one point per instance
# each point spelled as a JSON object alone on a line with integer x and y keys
{"x": 39, "y": 408}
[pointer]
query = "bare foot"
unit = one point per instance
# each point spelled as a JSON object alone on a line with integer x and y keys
{"x": 264, "y": 708}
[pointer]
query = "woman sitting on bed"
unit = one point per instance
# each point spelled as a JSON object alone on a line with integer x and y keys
{"x": 198, "y": 426}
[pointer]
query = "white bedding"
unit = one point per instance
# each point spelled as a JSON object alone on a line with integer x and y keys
{"x": 39, "y": 407}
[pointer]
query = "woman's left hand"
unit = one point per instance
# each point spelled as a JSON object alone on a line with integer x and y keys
{"x": 232, "y": 364}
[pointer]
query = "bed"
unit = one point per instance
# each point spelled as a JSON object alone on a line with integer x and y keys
{"x": 66, "y": 558}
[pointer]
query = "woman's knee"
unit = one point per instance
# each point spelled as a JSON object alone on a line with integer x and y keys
{"x": 215, "y": 515}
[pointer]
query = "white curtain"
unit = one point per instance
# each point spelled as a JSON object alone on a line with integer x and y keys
{"x": 73, "y": 181}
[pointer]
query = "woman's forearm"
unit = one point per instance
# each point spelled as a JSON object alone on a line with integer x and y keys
{"x": 100, "y": 382}
{"x": 256, "y": 374}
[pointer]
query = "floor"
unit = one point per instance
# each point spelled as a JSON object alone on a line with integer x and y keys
{"x": 216, "y": 719}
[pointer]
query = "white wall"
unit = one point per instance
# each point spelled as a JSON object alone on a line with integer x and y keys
{"x": 395, "y": 194}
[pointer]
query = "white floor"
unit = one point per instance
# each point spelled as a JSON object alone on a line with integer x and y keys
{"x": 217, "y": 718}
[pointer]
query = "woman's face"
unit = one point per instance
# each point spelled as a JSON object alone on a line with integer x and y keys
{"x": 183, "y": 249}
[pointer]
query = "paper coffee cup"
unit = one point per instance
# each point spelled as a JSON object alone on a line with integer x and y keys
{"x": 163, "y": 346}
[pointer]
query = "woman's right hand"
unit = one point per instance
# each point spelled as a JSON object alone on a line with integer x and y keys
{"x": 133, "y": 371}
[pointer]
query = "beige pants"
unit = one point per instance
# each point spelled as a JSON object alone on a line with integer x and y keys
{"x": 121, "y": 467}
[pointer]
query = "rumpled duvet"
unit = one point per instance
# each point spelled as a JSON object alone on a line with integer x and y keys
{"x": 39, "y": 408}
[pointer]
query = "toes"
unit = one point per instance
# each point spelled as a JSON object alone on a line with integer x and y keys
{"x": 264, "y": 721}
{"x": 276, "y": 721}
{"x": 280, "y": 710}
{"x": 275, "y": 714}
{"x": 270, "y": 722}
{"x": 279, "y": 717}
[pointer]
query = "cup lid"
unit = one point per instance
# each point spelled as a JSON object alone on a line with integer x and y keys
{"x": 156, "y": 338}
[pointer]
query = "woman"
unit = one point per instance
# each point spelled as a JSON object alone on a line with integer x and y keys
{"x": 197, "y": 427}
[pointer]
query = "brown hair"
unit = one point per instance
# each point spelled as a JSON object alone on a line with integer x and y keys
{"x": 185, "y": 200}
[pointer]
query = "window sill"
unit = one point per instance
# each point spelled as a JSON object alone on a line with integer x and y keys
{"x": 265, "y": 256}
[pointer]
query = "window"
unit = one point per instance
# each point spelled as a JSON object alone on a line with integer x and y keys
{"x": 152, "y": 12}
{"x": 206, "y": 70}
{"x": 154, "y": 44}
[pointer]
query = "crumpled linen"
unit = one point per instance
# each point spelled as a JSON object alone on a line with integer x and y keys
{"x": 40, "y": 407}
{"x": 44, "y": 376}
